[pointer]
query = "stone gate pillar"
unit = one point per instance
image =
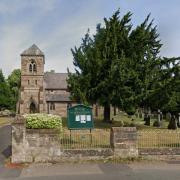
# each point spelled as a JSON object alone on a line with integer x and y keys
{"x": 18, "y": 135}
{"x": 124, "y": 141}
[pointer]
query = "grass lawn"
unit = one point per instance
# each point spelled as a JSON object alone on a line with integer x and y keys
{"x": 158, "y": 138}
{"x": 5, "y": 120}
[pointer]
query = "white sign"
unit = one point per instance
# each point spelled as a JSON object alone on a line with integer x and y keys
{"x": 88, "y": 118}
{"x": 77, "y": 117}
{"x": 83, "y": 118}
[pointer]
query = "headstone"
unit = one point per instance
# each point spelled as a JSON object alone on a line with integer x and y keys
{"x": 159, "y": 121}
{"x": 172, "y": 123}
{"x": 147, "y": 119}
{"x": 178, "y": 120}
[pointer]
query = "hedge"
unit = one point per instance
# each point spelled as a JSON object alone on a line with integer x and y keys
{"x": 43, "y": 121}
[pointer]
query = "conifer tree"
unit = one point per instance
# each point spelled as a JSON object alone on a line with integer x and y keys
{"x": 121, "y": 66}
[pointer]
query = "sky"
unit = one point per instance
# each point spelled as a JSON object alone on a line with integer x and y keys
{"x": 56, "y": 26}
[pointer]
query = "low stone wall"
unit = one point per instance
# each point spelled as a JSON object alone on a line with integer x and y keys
{"x": 33, "y": 145}
{"x": 43, "y": 145}
{"x": 124, "y": 141}
{"x": 159, "y": 151}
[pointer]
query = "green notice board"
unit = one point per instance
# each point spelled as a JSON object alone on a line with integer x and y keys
{"x": 80, "y": 117}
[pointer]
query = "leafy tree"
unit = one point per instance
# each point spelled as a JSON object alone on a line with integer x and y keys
{"x": 166, "y": 94}
{"x": 94, "y": 61}
{"x": 14, "y": 80}
{"x": 5, "y": 98}
{"x": 2, "y": 79}
{"x": 121, "y": 66}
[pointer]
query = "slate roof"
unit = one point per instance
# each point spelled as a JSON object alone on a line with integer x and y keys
{"x": 58, "y": 98}
{"x": 55, "y": 80}
{"x": 32, "y": 51}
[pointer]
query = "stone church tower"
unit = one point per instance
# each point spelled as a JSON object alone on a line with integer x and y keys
{"x": 32, "y": 72}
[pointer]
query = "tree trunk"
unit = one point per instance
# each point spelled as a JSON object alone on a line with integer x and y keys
{"x": 96, "y": 110}
{"x": 114, "y": 111}
{"x": 107, "y": 110}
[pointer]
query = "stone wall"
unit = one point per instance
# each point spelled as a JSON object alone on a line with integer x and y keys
{"x": 159, "y": 151}
{"x": 32, "y": 85}
{"x": 33, "y": 145}
{"x": 43, "y": 145}
{"x": 60, "y": 108}
{"x": 124, "y": 141}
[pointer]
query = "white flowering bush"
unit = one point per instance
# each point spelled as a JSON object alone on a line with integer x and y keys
{"x": 43, "y": 121}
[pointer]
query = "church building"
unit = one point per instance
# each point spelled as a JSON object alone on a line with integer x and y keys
{"x": 41, "y": 92}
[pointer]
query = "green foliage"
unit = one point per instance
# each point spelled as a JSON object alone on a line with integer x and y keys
{"x": 2, "y": 79}
{"x": 14, "y": 80}
{"x": 43, "y": 121}
{"x": 165, "y": 93}
{"x": 130, "y": 110}
{"x": 120, "y": 65}
{"x": 9, "y": 90}
{"x": 5, "y": 94}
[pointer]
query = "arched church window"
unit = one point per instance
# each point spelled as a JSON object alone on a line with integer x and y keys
{"x": 32, "y": 66}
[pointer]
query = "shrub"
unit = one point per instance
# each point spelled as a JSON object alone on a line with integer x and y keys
{"x": 43, "y": 121}
{"x": 131, "y": 110}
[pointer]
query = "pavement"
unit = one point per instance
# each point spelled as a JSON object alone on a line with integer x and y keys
{"x": 169, "y": 170}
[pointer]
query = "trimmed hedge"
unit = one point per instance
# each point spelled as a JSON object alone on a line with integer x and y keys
{"x": 43, "y": 121}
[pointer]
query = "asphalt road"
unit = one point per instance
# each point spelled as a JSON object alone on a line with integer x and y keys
{"x": 101, "y": 172}
{"x": 5, "y": 152}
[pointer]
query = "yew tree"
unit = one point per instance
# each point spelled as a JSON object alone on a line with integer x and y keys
{"x": 120, "y": 66}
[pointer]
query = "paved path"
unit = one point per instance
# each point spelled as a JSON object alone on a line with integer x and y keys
{"x": 5, "y": 152}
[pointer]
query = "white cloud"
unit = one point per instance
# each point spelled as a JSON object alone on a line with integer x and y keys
{"x": 53, "y": 26}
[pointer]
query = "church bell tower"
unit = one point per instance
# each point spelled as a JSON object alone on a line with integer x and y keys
{"x": 32, "y": 75}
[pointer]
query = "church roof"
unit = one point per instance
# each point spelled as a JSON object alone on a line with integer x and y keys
{"x": 58, "y": 98}
{"x": 55, "y": 80}
{"x": 32, "y": 51}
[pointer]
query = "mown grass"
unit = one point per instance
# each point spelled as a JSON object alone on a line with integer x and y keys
{"x": 84, "y": 139}
{"x": 5, "y": 120}
{"x": 158, "y": 138}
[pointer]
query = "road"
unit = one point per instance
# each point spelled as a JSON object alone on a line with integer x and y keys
{"x": 136, "y": 171}
{"x": 133, "y": 171}
{"x": 5, "y": 152}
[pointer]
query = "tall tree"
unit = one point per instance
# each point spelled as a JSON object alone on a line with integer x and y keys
{"x": 166, "y": 93}
{"x": 2, "y": 79}
{"x": 5, "y": 95}
{"x": 120, "y": 66}
{"x": 14, "y": 80}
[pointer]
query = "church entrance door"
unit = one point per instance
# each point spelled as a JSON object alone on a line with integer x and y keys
{"x": 33, "y": 108}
